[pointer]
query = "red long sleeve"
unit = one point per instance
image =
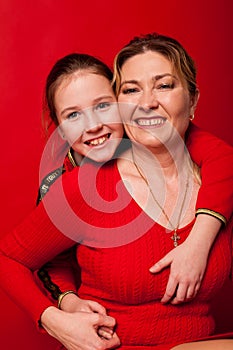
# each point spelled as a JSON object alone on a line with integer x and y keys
{"x": 29, "y": 246}
{"x": 215, "y": 158}
{"x": 60, "y": 274}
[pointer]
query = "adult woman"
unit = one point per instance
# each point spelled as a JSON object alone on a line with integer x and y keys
{"x": 149, "y": 83}
{"x": 41, "y": 221}
{"x": 146, "y": 80}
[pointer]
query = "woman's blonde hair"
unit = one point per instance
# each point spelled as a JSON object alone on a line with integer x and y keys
{"x": 166, "y": 46}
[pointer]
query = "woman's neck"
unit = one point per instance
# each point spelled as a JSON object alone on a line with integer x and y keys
{"x": 166, "y": 162}
{"x": 160, "y": 180}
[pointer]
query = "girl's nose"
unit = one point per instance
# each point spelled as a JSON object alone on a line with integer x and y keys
{"x": 94, "y": 128}
{"x": 92, "y": 121}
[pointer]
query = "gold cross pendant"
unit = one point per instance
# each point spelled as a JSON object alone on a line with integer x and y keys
{"x": 175, "y": 237}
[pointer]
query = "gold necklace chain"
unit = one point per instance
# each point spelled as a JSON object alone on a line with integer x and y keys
{"x": 175, "y": 237}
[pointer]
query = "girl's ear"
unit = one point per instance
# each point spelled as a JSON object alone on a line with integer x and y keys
{"x": 61, "y": 133}
{"x": 194, "y": 101}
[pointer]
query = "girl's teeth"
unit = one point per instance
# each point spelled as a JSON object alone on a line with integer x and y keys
{"x": 99, "y": 141}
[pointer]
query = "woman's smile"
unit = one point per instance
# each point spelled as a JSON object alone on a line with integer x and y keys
{"x": 151, "y": 122}
{"x": 155, "y": 96}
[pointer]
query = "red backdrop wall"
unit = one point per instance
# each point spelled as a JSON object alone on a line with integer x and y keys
{"x": 34, "y": 34}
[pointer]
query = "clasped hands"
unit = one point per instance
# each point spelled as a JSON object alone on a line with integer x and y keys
{"x": 80, "y": 325}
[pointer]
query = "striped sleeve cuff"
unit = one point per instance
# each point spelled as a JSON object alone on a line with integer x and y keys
{"x": 212, "y": 213}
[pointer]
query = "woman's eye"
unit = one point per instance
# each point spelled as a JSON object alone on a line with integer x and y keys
{"x": 102, "y": 105}
{"x": 73, "y": 115}
{"x": 165, "y": 86}
{"x": 129, "y": 91}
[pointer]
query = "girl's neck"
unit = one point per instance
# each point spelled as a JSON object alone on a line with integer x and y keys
{"x": 76, "y": 157}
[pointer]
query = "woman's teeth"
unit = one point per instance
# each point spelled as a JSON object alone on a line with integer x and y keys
{"x": 150, "y": 121}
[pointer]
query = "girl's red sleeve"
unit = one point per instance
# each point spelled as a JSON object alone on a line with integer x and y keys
{"x": 215, "y": 159}
{"x": 34, "y": 242}
{"x": 60, "y": 274}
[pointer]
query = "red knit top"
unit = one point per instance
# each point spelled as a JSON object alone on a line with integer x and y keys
{"x": 116, "y": 276}
{"x": 120, "y": 280}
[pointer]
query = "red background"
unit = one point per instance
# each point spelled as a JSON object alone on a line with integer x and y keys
{"x": 34, "y": 34}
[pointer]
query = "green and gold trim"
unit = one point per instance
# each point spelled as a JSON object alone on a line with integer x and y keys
{"x": 71, "y": 158}
{"x": 212, "y": 213}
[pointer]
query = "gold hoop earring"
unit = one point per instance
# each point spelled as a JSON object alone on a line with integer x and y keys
{"x": 192, "y": 117}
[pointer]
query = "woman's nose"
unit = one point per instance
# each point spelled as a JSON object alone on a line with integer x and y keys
{"x": 148, "y": 101}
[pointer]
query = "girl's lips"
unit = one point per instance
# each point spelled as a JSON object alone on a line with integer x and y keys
{"x": 98, "y": 140}
{"x": 150, "y": 122}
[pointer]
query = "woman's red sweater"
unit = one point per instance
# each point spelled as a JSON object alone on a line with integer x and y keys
{"x": 123, "y": 242}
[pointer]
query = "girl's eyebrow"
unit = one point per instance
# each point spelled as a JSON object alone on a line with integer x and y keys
{"x": 155, "y": 78}
{"x": 70, "y": 108}
{"x": 98, "y": 99}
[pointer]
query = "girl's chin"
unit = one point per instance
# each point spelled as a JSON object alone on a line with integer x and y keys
{"x": 99, "y": 156}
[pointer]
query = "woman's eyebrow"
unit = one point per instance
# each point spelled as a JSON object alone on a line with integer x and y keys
{"x": 155, "y": 78}
{"x": 129, "y": 82}
{"x": 160, "y": 76}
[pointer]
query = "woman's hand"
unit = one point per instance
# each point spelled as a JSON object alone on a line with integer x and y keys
{"x": 78, "y": 330}
{"x": 188, "y": 265}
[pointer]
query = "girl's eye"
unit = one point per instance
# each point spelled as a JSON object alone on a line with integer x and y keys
{"x": 102, "y": 105}
{"x": 73, "y": 115}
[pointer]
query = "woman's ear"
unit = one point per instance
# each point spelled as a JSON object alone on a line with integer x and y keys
{"x": 194, "y": 101}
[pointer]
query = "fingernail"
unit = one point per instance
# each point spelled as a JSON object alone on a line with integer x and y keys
{"x": 108, "y": 336}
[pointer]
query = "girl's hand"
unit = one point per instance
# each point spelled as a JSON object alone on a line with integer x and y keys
{"x": 78, "y": 330}
{"x": 188, "y": 261}
{"x": 188, "y": 264}
{"x": 72, "y": 303}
